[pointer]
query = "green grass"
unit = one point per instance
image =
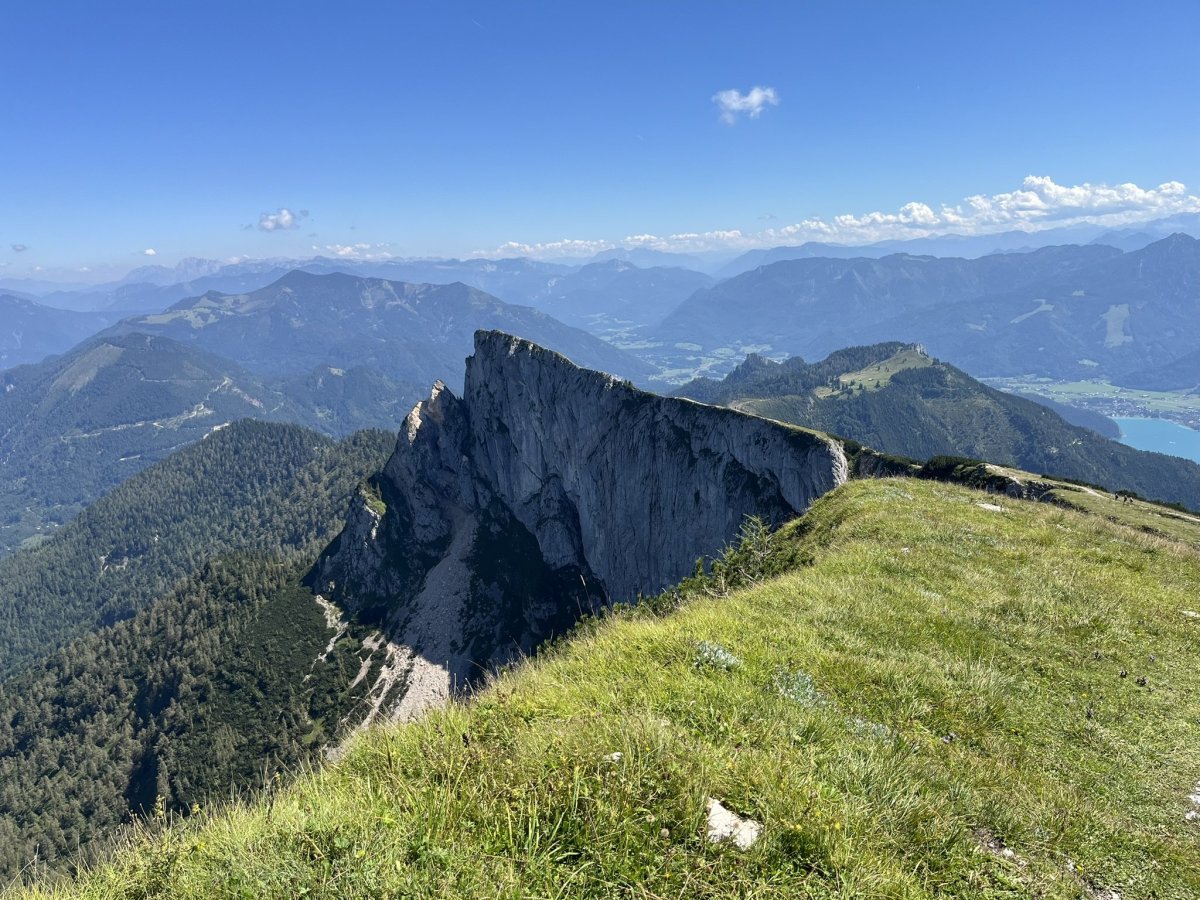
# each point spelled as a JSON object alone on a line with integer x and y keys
{"x": 1149, "y": 517}
{"x": 939, "y": 680}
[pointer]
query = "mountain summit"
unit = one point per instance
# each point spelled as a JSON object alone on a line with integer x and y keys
{"x": 409, "y": 332}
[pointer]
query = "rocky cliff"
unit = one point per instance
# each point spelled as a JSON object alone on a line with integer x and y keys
{"x": 545, "y": 492}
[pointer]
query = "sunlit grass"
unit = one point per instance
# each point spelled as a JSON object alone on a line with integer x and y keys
{"x": 943, "y": 682}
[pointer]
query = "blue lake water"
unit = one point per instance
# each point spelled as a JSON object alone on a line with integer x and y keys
{"x": 1160, "y": 436}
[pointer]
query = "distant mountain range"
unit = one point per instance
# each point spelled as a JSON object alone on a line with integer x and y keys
{"x": 517, "y": 280}
{"x": 1064, "y": 312}
{"x": 898, "y": 399}
{"x": 30, "y": 331}
{"x": 977, "y": 245}
{"x": 411, "y": 332}
{"x": 613, "y": 296}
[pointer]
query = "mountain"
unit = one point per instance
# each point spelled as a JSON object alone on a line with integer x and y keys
{"x": 915, "y": 690}
{"x": 228, "y": 493}
{"x": 1182, "y": 374}
{"x": 814, "y": 306}
{"x": 160, "y": 645}
{"x": 1121, "y": 314}
{"x": 647, "y": 259}
{"x": 973, "y": 246}
{"x": 410, "y": 332}
{"x": 334, "y": 352}
{"x": 1064, "y": 312}
{"x": 185, "y": 270}
{"x": 612, "y": 296}
{"x": 754, "y": 259}
{"x": 1084, "y": 418}
{"x": 75, "y": 426}
{"x": 31, "y": 331}
{"x": 897, "y": 399}
{"x": 548, "y": 491}
{"x": 154, "y": 288}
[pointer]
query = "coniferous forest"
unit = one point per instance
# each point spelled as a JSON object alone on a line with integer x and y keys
{"x": 209, "y": 670}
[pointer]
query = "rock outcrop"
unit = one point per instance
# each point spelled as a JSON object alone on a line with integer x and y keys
{"x": 546, "y": 492}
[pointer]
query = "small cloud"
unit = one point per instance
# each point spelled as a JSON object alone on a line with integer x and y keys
{"x": 733, "y": 103}
{"x": 565, "y": 247}
{"x": 359, "y": 251}
{"x": 768, "y": 217}
{"x": 19, "y": 248}
{"x": 281, "y": 220}
{"x": 149, "y": 251}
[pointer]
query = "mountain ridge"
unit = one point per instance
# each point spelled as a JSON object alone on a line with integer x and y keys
{"x": 410, "y": 332}
{"x": 897, "y": 399}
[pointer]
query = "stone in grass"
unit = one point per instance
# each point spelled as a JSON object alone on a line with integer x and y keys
{"x": 726, "y": 825}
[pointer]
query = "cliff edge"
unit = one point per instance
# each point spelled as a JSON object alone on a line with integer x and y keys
{"x": 546, "y": 492}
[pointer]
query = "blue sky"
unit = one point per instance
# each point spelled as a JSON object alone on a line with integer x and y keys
{"x": 412, "y": 129}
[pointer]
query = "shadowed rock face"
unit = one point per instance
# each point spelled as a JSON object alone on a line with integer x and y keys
{"x": 545, "y": 492}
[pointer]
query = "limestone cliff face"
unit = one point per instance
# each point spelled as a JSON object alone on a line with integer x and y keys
{"x": 546, "y": 491}
{"x": 632, "y": 486}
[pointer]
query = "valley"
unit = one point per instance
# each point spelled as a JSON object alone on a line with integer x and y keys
{"x": 1110, "y": 399}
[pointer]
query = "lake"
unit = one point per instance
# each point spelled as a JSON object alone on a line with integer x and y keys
{"x": 1161, "y": 436}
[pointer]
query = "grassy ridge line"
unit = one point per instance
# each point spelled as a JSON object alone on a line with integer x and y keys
{"x": 943, "y": 681}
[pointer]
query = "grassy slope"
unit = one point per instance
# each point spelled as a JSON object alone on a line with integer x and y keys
{"x": 922, "y": 612}
{"x": 879, "y": 375}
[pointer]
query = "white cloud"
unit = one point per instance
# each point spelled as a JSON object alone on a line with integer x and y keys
{"x": 358, "y": 251}
{"x": 149, "y": 251}
{"x": 281, "y": 220}
{"x": 733, "y": 103}
{"x": 548, "y": 250}
{"x": 1038, "y": 204}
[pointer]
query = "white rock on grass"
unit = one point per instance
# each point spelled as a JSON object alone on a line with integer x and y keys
{"x": 725, "y": 825}
{"x": 1193, "y": 814}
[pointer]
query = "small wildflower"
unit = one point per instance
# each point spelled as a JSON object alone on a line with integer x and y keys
{"x": 710, "y": 655}
{"x": 799, "y": 687}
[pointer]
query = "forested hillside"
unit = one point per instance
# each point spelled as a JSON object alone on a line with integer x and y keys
{"x": 76, "y": 426}
{"x": 254, "y": 487}
{"x": 205, "y": 694}
{"x": 213, "y": 666}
